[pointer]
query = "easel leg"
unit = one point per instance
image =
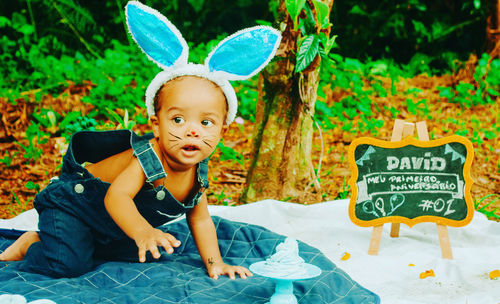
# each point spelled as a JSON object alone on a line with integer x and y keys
{"x": 395, "y": 229}
{"x": 444, "y": 241}
{"x": 422, "y": 131}
{"x": 397, "y": 130}
{"x": 375, "y": 240}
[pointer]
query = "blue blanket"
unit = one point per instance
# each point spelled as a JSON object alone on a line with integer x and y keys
{"x": 182, "y": 278}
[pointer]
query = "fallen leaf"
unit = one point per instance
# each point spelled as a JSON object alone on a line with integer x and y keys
{"x": 427, "y": 273}
{"x": 346, "y": 256}
{"x": 494, "y": 274}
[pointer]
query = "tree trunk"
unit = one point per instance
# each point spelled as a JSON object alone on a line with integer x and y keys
{"x": 493, "y": 29}
{"x": 281, "y": 166}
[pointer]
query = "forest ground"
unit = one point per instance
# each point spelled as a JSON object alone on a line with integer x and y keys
{"x": 227, "y": 177}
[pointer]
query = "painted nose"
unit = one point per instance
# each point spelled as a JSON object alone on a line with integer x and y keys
{"x": 192, "y": 133}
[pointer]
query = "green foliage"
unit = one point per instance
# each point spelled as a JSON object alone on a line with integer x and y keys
{"x": 346, "y": 190}
{"x": 358, "y": 79}
{"x": 294, "y": 7}
{"x": 124, "y": 122}
{"x": 405, "y": 31}
{"x": 36, "y": 137}
{"x": 48, "y": 119}
{"x": 21, "y": 205}
{"x": 494, "y": 213}
{"x": 399, "y": 30}
{"x": 7, "y": 158}
{"x": 311, "y": 41}
{"x": 74, "y": 122}
{"x": 224, "y": 199}
{"x": 89, "y": 26}
{"x": 247, "y": 98}
{"x": 228, "y": 153}
{"x": 66, "y": 126}
{"x": 485, "y": 90}
{"x": 308, "y": 50}
{"x": 120, "y": 78}
{"x": 19, "y": 54}
{"x": 322, "y": 14}
{"x": 32, "y": 186}
{"x": 415, "y": 107}
{"x": 350, "y": 75}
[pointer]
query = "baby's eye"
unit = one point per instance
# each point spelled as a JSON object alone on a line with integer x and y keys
{"x": 178, "y": 120}
{"x": 207, "y": 123}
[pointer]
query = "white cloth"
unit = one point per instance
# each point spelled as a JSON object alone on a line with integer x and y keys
{"x": 326, "y": 226}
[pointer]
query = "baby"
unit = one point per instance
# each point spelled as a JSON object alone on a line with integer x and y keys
{"x": 190, "y": 118}
{"x": 109, "y": 208}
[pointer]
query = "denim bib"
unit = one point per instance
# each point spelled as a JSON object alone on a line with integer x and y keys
{"x": 79, "y": 193}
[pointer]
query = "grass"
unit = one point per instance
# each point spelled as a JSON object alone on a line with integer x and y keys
{"x": 486, "y": 205}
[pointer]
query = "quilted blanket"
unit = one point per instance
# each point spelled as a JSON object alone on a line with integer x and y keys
{"x": 182, "y": 278}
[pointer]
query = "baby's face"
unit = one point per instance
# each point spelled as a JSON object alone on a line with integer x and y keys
{"x": 190, "y": 120}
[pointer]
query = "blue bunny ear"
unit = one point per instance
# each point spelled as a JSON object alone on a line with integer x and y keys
{"x": 156, "y": 35}
{"x": 244, "y": 53}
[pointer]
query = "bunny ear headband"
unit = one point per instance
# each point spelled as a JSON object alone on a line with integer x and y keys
{"x": 237, "y": 57}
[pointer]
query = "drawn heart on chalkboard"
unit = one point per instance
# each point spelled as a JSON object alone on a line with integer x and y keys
{"x": 396, "y": 201}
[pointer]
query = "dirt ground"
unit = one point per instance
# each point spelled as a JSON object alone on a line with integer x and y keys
{"x": 227, "y": 177}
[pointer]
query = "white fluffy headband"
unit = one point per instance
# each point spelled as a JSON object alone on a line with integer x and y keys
{"x": 237, "y": 57}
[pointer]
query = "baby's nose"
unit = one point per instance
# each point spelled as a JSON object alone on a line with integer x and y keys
{"x": 192, "y": 133}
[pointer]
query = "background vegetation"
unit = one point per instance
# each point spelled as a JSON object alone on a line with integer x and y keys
{"x": 68, "y": 65}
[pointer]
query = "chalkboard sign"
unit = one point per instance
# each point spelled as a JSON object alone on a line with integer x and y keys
{"x": 411, "y": 181}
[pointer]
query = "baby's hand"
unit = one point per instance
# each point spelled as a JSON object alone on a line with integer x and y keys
{"x": 150, "y": 239}
{"x": 220, "y": 268}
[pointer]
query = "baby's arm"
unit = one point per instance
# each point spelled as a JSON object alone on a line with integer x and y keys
{"x": 120, "y": 205}
{"x": 203, "y": 230}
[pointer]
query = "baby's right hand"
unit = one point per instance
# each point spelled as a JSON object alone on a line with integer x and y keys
{"x": 150, "y": 239}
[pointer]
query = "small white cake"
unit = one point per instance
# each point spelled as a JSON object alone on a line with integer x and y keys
{"x": 286, "y": 262}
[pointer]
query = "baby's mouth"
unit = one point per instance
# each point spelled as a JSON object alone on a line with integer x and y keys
{"x": 190, "y": 148}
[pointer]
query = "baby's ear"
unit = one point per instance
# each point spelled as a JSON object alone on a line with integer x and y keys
{"x": 155, "y": 125}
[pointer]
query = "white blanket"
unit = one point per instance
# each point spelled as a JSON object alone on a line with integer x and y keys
{"x": 326, "y": 226}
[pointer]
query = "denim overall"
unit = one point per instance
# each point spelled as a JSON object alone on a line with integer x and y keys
{"x": 75, "y": 228}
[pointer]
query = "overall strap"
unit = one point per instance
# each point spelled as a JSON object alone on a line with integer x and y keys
{"x": 150, "y": 162}
{"x": 202, "y": 173}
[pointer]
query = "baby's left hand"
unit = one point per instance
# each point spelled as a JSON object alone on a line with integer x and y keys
{"x": 221, "y": 268}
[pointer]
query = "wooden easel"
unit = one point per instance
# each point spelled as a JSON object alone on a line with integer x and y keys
{"x": 401, "y": 130}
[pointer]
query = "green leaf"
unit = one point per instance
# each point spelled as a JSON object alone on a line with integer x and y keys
{"x": 330, "y": 43}
{"x": 263, "y": 22}
{"x": 294, "y": 7}
{"x": 418, "y": 5}
{"x": 322, "y": 14}
{"x": 30, "y": 185}
{"x": 357, "y": 10}
{"x": 446, "y": 92}
{"x": 196, "y": 4}
{"x": 327, "y": 42}
{"x": 70, "y": 117}
{"x": 307, "y": 52}
{"x": 4, "y": 21}
{"x": 308, "y": 24}
{"x": 421, "y": 30}
{"x": 492, "y": 92}
{"x": 125, "y": 120}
